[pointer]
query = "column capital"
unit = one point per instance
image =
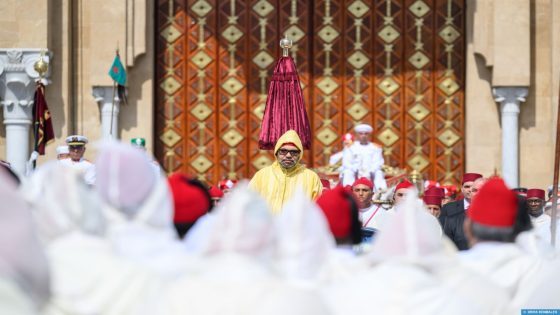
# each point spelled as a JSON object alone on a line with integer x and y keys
{"x": 510, "y": 94}
{"x": 17, "y": 88}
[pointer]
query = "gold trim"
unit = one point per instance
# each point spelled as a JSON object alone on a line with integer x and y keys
{"x": 419, "y": 8}
{"x": 389, "y": 34}
{"x": 232, "y": 137}
{"x": 419, "y": 112}
{"x": 261, "y": 162}
{"x": 232, "y": 34}
{"x": 419, "y": 60}
{"x": 170, "y": 137}
{"x": 170, "y": 85}
{"x": 388, "y": 86}
{"x": 448, "y": 86}
{"x": 295, "y": 33}
{"x": 358, "y": 8}
{"x": 170, "y": 33}
{"x": 263, "y": 8}
{"x": 449, "y": 34}
{"x": 358, "y": 59}
{"x": 357, "y": 111}
{"x": 448, "y": 137}
{"x": 201, "y": 164}
{"x": 201, "y": 111}
{"x": 327, "y": 85}
{"x": 388, "y": 137}
{"x": 328, "y": 34}
{"x": 232, "y": 86}
{"x": 201, "y": 8}
{"x": 201, "y": 59}
{"x": 326, "y": 136}
{"x": 263, "y": 59}
{"x": 418, "y": 162}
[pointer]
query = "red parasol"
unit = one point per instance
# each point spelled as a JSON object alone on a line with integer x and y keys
{"x": 285, "y": 109}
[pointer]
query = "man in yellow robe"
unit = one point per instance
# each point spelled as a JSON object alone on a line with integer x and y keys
{"x": 278, "y": 182}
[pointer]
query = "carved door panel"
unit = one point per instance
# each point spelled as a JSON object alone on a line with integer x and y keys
{"x": 398, "y": 65}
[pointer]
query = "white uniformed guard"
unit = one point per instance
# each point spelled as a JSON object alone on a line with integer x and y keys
{"x": 62, "y": 152}
{"x": 77, "y": 148}
{"x": 363, "y": 159}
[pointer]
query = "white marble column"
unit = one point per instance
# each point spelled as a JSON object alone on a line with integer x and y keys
{"x": 109, "y": 106}
{"x": 17, "y": 87}
{"x": 510, "y": 99}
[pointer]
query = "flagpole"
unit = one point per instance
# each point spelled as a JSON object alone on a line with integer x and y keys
{"x": 35, "y": 122}
{"x": 112, "y": 109}
{"x": 554, "y": 211}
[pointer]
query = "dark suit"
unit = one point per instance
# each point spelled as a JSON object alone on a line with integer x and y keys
{"x": 451, "y": 219}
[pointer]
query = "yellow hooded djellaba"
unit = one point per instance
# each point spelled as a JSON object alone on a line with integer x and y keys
{"x": 277, "y": 185}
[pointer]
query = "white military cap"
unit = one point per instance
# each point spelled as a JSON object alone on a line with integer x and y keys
{"x": 363, "y": 128}
{"x": 76, "y": 140}
{"x": 62, "y": 149}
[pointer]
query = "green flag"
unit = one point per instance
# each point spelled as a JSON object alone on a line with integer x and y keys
{"x": 117, "y": 72}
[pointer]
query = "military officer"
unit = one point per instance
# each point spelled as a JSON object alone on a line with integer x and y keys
{"x": 76, "y": 149}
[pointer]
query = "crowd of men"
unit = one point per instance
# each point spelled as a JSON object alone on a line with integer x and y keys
{"x": 119, "y": 237}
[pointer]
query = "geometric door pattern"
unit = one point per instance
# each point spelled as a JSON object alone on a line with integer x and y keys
{"x": 398, "y": 65}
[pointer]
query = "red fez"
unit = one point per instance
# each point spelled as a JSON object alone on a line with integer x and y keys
{"x": 449, "y": 190}
{"x": 430, "y": 183}
{"x": 226, "y": 184}
{"x": 535, "y": 193}
{"x": 348, "y": 137}
{"x": 470, "y": 177}
{"x": 363, "y": 181}
{"x": 404, "y": 184}
{"x": 495, "y": 205}
{"x": 432, "y": 200}
{"x": 336, "y": 207}
{"x": 435, "y": 191}
{"x": 215, "y": 192}
{"x": 190, "y": 201}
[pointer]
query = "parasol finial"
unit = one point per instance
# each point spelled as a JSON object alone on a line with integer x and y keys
{"x": 285, "y": 44}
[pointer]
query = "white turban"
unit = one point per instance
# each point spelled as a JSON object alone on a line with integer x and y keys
{"x": 62, "y": 149}
{"x": 363, "y": 128}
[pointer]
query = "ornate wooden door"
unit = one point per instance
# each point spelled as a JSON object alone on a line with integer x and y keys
{"x": 398, "y": 65}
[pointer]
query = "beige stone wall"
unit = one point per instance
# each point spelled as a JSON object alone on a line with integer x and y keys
{"x": 83, "y": 36}
{"x": 537, "y": 117}
{"x": 483, "y": 151}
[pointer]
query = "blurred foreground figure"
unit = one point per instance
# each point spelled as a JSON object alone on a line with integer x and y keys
{"x": 87, "y": 278}
{"x": 24, "y": 274}
{"x": 278, "y": 182}
{"x": 191, "y": 201}
{"x": 412, "y": 270}
{"x": 531, "y": 281}
{"x": 236, "y": 248}
{"x": 139, "y": 209}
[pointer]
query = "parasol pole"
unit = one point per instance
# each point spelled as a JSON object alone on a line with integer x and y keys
{"x": 285, "y": 44}
{"x": 555, "y": 180}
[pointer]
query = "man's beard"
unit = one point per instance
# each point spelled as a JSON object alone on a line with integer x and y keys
{"x": 288, "y": 166}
